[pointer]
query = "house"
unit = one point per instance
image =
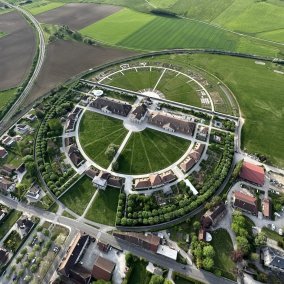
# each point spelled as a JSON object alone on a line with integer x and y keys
{"x": 7, "y": 140}
{"x": 266, "y": 207}
{"x": 103, "y": 269}
{"x": 2, "y": 214}
{"x": 111, "y": 106}
{"x": 74, "y": 254}
{"x": 31, "y": 117}
{"x": 5, "y": 184}
{"x": 139, "y": 113}
{"x": 212, "y": 217}
{"x": 92, "y": 172}
{"x": 168, "y": 177}
{"x": 25, "y": 225}
{"x": 252, "y": 173}
{"x": 273, "y": 259}
{"x": 197, "y": 151}
{"x": 245, "y": 202}
{"x": 187, "y": 164}
{"x": 7, "y": 170}
{"x": 3, "y": 153}
{"x": 4, "y": 255}
{"x": 101, "y": 181}
{"x": 72, "y": 119}
{"x": 69, "y": 141}
{"x": 154, "y": 269}
{"x": 115, "y": 181}
{"x": 34, "y": 192}
{"x": 147, "y": 241}
{"x": 22, "y": 129}
{"x": 171, "y": 123}
{"x": 155, "y": 180}
{"x": 75, "y": 156}
{"x": 142, "y": 183}
{"x": 167, "y": 251}
{"x": 203, "y": 133}
{"x": 104, "y": 247}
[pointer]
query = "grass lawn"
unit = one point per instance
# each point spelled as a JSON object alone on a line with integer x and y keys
{"x": 123, "y": 97}
{"x": 139, "y": 275}
{"x": 7, "y": 95}
{"x": 9, "y": 222}
{"x": 223, "y": 246}
{"x": 103, "y": 209}
{"x": 177, "y": 89}
{"x": 68, "y": 215}
{"x": 149, "y": 151}
{"x": 79, "y": 195}
{"x": 1, "y": 34}
{"x": 259, "y": 92}
{"x": 97, "y": 132}
{"x": 135, "y": 81}
{"x": 272, "y": 235}
{"x": 42, "y": 6}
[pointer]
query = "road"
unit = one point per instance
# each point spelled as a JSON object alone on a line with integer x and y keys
{"x": 163, "y": 261}
{"x": 40, "y": 60}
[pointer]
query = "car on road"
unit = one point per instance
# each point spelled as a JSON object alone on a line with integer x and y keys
{"x": 56, "y": 249}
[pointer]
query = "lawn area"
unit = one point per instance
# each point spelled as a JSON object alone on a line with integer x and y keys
{"x": 103, "y": 209}
{"x": 9, "y": 222}
{"x": 149, "y": 151}
{"x": 223, "y": 246}
{"x": 42, "y": 6}
{"x": 7, "y": 95}
{"x": 182, "y": 280}
{"x": 177, "y": 89}
{"x": 1, "y": 34}
{"x": 97, "y": 132}
{"x": 139, "y": 275}
{"x": 135, "y": 81}
{"x": 79, "y": 195}
{"x": 273, "y": 235}
{"x": 259, "y": 92}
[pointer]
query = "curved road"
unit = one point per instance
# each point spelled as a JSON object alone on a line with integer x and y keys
{"x": 40, "y": 59}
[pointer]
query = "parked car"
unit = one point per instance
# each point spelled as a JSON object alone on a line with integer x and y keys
{"x": 56, "y": 249}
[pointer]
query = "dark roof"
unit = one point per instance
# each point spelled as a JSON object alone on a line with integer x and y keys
{"x": 75, "y": 155}
{"x": 278, "y": 262}
{"x": 140, "y": 111}
{"x": 252, "y": 173}
{"x": 115, "y": 181}
{"x": 113, "y": 106}
{"x": 25, "y": 224}
{"x": 176, "y": 124}
{"x": 92, "y": 172}
{"x": 245, "y": 202}
{"x": 3, "y": 256}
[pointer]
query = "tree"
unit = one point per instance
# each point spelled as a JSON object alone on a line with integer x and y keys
{"x": 208, "y": 263}
{"x": 129, "y": 259}
{"x": 26, "y": 264}
{"x": 21, "y": 272}
{"x": 260, "y": 239}
{"x": 28, "y": 278}
{"x": 34, "y": 268}
{"x": 243, "y": 244}
{"x": 156, "y": 279}
{"x": 196, "y": 225}
{"x": 208, "y": 251}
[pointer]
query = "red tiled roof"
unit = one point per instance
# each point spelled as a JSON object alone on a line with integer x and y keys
{"x": 245, "y": 197}
{"x": 266, "y": 207}
{"x": 252, "y": 173}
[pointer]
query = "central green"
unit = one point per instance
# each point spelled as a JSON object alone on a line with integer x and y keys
{"x": 149, "y": 151}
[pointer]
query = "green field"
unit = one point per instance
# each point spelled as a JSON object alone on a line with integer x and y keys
{"x": 259, "y": 92}
{"x": 6, "y": 96}
{"x": 139, "y": 274}
{"x": 97, "y": 132}
{"x": 79, "y": 195}
{"x": 223, "y": 246}
{"x": 149, "y": 32}
{"x": 7, "y": 224}
{"x": 149, "y": 151}
{"x": 42, "y": 6}
{"x": 103, "y": 209}
{"x": 136, "y": 81}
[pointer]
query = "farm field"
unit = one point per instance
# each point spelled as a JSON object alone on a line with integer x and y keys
{"x": 135, "y": 81}
{"x": 223, "y": 247}
{"x": 77, "y": 15}
{"x": 142, "y": 31}
{"x": 103, "y": 209}
{"x": 42, "y": 6}
{"x": 79, "y": 195}
{"x": 17, "y": 50}
{"x": 6, "y": 96}
{"x": 65, "y": 59}
{"x": 150, "y": 151}
{"x": 97, "y": 132}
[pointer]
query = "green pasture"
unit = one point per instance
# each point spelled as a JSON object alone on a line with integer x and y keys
{"x": 103, "y": 209}
{"x": 97, "y": 132}
{"x": 134, "y": 80}
{"x": 39, "y": 7}
{"x": 6, "y": 96}
{"x": 150, "y": 151}
{"x": 79, "y": 195}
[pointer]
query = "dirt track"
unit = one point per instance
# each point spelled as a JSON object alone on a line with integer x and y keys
{"x": 17, "y": 49}
{"x": 65, "y": 59}
{"x": 77, "y": 15}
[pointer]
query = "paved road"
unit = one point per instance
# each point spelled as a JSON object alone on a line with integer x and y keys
{"x": 41, "y": 54}
{"x": 165, "y": 262}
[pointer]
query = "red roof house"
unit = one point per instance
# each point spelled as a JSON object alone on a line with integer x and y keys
{"x": 245, "y": 202}
{"x": 266, "y": 208}
{"x": 252, "y": 173}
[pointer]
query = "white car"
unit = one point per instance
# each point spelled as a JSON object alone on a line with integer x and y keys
{"x": 273, "y": 227}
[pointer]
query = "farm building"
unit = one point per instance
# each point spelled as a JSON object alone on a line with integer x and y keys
{"x": 252, "y": 173}
{"x": 245, "y": 202}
